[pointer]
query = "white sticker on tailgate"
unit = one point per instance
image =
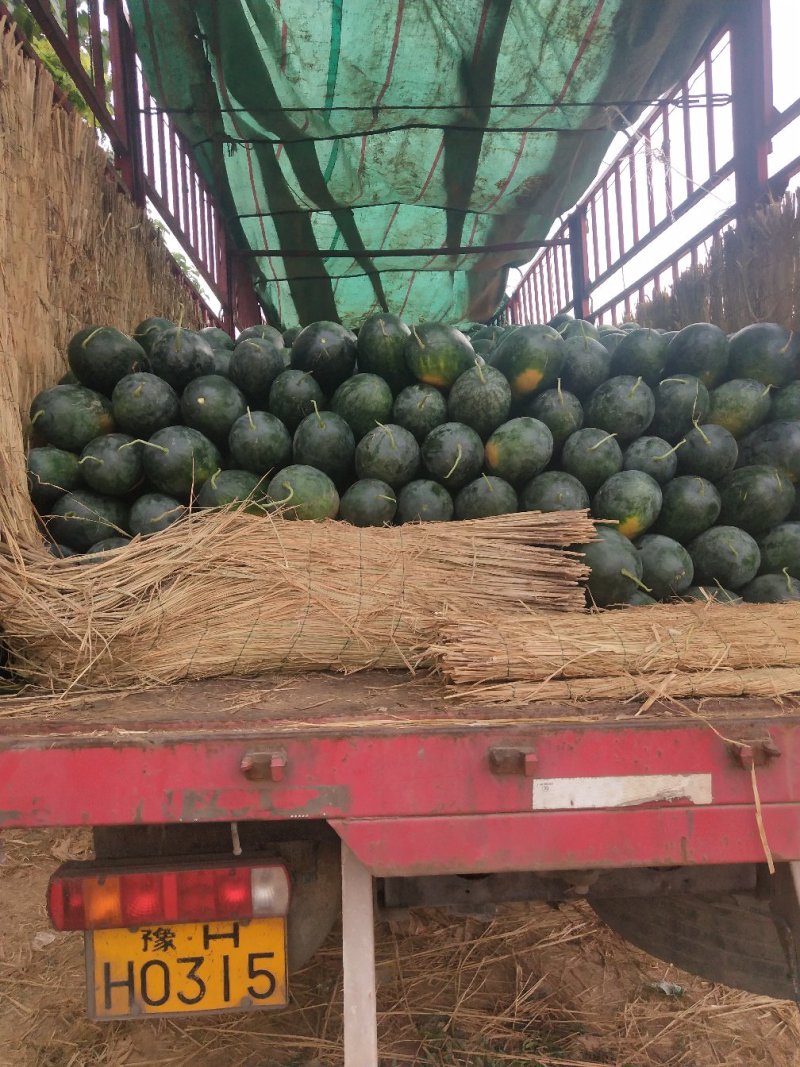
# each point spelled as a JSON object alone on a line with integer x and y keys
{"x": 619, "y": 791}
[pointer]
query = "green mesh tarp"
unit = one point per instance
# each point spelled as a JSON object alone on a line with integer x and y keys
{"x": 361, "y": 126}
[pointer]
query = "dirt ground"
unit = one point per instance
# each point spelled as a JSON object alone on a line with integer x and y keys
{"x": 534, "y": 986}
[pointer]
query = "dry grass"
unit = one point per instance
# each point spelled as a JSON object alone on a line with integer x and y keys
{"x": 534, "y": 986}
{"x": 752, "y": 274}
{"x": 662, "y": 653}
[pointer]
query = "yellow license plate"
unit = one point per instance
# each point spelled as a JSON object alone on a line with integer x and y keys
{"x": 174, "y": 969}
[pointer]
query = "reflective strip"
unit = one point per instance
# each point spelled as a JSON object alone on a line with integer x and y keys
{"x": 619, "y": 791}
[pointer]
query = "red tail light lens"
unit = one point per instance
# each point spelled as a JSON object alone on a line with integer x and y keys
{"x": 113, "y": 897}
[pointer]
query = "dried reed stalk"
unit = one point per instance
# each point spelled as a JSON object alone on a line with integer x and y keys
{"x": 540, "y": 646}
{"x": 768, "y": 682}
{"x": 229, "y": 593}
{"x": 752, "y": 274}
{"x": 73, "y": 250}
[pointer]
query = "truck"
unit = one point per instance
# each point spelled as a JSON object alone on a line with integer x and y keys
{"x": 236, "y": 841}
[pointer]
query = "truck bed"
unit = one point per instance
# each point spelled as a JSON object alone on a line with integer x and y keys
{"x": 413, "y": 782}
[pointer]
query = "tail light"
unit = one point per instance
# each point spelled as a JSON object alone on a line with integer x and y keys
{"x": 113, "y": 897}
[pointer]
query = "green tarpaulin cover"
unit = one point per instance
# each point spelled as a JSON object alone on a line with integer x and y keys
{"x": 365, "y": 125}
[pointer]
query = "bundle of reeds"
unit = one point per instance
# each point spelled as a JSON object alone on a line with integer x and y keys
{"x": 226, "y": 593}
{"x": 681, "y": 650}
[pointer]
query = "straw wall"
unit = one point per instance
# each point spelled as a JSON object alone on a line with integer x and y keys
{"x": 752, "y": 274}
{"x": 73, "y": 251}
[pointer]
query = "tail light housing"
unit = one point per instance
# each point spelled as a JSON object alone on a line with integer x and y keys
{"x": 89, "y": 897}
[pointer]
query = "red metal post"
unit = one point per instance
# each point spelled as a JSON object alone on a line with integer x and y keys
{"x": 130, "y": 160}
{"x": 751, "y": 75}
{"x": 579, "y": 259}
{"x": 246, "y": 308}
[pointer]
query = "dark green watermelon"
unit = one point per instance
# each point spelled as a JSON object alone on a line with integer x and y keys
{"x": 419, "y": 409}
{"x": 217, "y": 338}
{"x": 667, "y": 568}
{"x": 484, "y": 497}
{"x": 725, "y": 555}
{"x": 112, "y": 465}
{"x": 777, "y": 444}
{"x": 585, "y": 366}
{"x": 560, "y": 411}
{"x": 632, "y": 498}
{"x": 481, "y": 399}
{"x": 553, "y": 491}
{"x": 689, "y": 506}
{"x": 452, "y": 454}
{"x": 531, "y": 359}
{"x": 519, "y": 450}
{"x": 709, "y": 451}
{"x": 108, "y": 544}
{"x": 368, "y": 502}
{"x": 640, "y": 354}
{"x": 592, "y": 456}
{"x": 700, "y": 350}
{"x": 149, "y": 330}
{"x": 423, "y": 501}
{"x": 68, "y": 379}
{"x": 577, "y": 328}
{"x": 232, "y": 488}
{"x": 780, "y": 550}
{"x": 764, "y": 352}
{"x": 153, "y": 512}
{"x": 711, "y": 592}
{"x": 437, "y": 354}
{"x": 389, "y": 453}
{"x": 640, "y": 599}
{"x": 259, "y": 442}
{"x": 255, "y": 364}
{"x": 325, "y": 441}
{"x": 302, "y": 492}
{"x": 364, "y": 402}
{"x": 623, "y": 406}
{"x": 771, "y": 589}
{"x": 70, "y": 416}
{"x": 51, "y": 473}
{"x": 326, "y": 350}
{"x": 262, "y": 333}
{"x": 616, "y": 567}
{"x": 81, "y": 518}
{"x": 212, "y": 405}
{"x": 144, "y": 403}
{"x": 381, "y": 350}
{"x": 654, "y": 456}
{"x": 292, "y": 397}
{"x": 178, "y": 460}
{"x": 290, "y": 335}
{"x": 740, "y": 405}
{"x": 611, "y": 342}
{"x": 786, "y": 403}
{"x": 681, "y": 403}
{"x": 99, "y": 359}
{"x": 755, "y": 498}
{"x": 179, "y": 355}
{"x": 222, "y": 362}
{"x": 488, "y": 333}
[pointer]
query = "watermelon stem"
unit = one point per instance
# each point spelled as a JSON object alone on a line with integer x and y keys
{"x": 635, "y": 580}
{"x": 391, "y": 499}
{"x": 673, "y": 449}
{"x": 491, "y": 487}
{"x": 286, "y": 499}
{"x": 83, "y": 460}
{"x": 417, "y": 338}
{"x": 699, "y": 429}
{"x": 481, "y": 375}
{"x": 139, "y": 441}
{"x": 636, "y": 386}
{"x": 785, "y": 573}
{"x": 214, "y": 477}
{"x": 386, "y": 428}
{"x": 383, "y": 327}
{"x": 138, "y": 390}
{"x": 38, "y": 414}
{"x": 458, "y": 460}
{"x": 250, "y": 420}
{"x": 602, "y": 441}
{"x": 319, "y": 417}
{"x": 94, "y": 333}
{"x": 558, "y": 390}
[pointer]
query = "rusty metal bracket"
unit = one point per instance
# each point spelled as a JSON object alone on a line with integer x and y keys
{"x": 264, "y": 766}
{"x": 522, "y": 761}
{"x": 754, "y": 753}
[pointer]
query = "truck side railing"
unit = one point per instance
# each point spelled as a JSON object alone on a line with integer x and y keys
{"x": 151, "y": 157}
{"x": 705, "y": 143}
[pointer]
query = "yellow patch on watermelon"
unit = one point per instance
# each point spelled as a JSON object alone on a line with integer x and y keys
{"x": 526, "y": 382}
{"x": 630, "y": 527}
{"x": 431, "y": 378}
{"x": 492, "y": 455}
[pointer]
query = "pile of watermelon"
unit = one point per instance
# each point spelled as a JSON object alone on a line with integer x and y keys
{"x": 688, "y": 441}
